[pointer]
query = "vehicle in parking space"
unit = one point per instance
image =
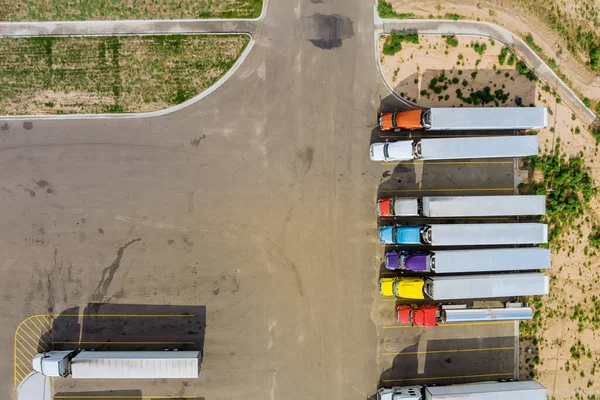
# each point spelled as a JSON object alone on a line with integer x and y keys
{"x": 432, "y": 315}
{"x": 463, "y": 261}
{"x": 455, "y": 148}
{"x": 464, "y": 234}
{"x": 119, "y": 364}
{"x": 465, "y": 118}
{"x": 456, "y": 287}
{"x": 515, "y": 390}
{"x": 461, "y": 206}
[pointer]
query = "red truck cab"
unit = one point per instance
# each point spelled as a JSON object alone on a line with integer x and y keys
{"x": 384, "y": 207}
{"x": 417, "y": 315}
{"x": 408, "y": 120}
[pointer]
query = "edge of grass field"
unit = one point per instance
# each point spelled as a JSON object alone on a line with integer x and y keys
{"x": 148, "y": 114}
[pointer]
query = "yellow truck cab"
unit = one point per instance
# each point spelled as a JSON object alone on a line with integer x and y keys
{"x": 407, "y": 288}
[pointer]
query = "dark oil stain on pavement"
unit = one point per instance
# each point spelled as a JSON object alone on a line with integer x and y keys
{"x": 109, "y": 273}
{"x": 4, "y": 127}
{"x": 196, "y": 141}
{"x": 325, "y": 31}
{"x": 28, "y": 125}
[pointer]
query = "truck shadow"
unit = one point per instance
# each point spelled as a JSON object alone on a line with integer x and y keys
{"x": 451, "y": 361}
{"x": 130, "y": 327}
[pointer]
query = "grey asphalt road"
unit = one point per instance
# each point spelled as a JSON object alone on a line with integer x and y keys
{"x": 250, "y": 214}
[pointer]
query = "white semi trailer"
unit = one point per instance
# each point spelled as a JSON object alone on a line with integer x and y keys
{"x": 119, "y": 364}
{"x": 525, "y": 390}
{"x": 461, "y": 206}
{"x": 456, "y": 287}
{"x": 465, "y": 118}
{"x": 464, "y": 234}
{"x": 463, "y": 261}
{"x": 455, "y": 148}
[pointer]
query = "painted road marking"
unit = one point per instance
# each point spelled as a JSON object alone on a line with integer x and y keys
{"x": 447, "y": 162}
{"x": 449, "y": 377}
{"x": 407, "y": 353}
{"x": 450, "y": 325}
{"x": 34, "y": 334}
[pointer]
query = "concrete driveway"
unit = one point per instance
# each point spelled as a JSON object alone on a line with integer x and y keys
{"x": 255, "y": 206}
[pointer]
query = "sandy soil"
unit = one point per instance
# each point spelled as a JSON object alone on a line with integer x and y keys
{"x": 572, "y": 264}
{"x": 518, "y": 19}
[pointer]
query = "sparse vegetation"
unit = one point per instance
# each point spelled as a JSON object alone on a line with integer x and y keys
{"x": 454, "y": 17}
{"x": 452, "y": 41}
{"x": 111, "y": 74}
{"x": 532, "y": 44}
{"x": 566, "y": 184}
{"x": 393, "y": 42}
{"x": 385, "y": 10}
{"x": 480, "y": 48}
{"x": 43, "y": 10}
{"x": 523, "y": 69}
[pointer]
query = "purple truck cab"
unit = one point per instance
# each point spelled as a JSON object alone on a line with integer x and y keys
{"x": 402, "y": 260}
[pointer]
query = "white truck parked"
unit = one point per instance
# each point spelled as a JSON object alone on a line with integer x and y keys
{"x": 455, "y": 148}
{"x": 525, "y": 390}
{"x": 119, "y": 364}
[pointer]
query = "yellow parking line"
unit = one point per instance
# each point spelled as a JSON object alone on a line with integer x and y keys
{"x": 41, "y": 328}
{"x": 125, "y": 342}
{"x": 448, "y": 162}
{"x": 22, "y": 374}
{"x": 124, "y": 315}
{"x": 27, "y": 342}
{"x": 406, "y": 353}
{"x": 447, "y": 190}
{"x": 23, "y": 354}
{"x": 36, "y": 334}
{"x": 448, "y": 377}
{"x": 449, "y": 325}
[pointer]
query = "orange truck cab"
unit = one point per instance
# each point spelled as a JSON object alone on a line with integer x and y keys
{"x": 407, "y": 120}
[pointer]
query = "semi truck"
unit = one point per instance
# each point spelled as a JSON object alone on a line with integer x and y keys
{"x": 461, "y": 206}
{"x": 525, "y": 390}
{"x": 464, "y": 234}
{"x": 119, "y": 364}
{"x": 463, "y": 261}
{"x": 475, "y": 118}
{"x": 457, "y": 287}
{"x": 455, "y": 148}
{"x": 432, "y": 315}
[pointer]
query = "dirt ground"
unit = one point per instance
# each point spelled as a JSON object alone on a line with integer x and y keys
{"x": 519, "y": 17}
{"x": 114, "y": 74}
{"x": 567, "y": 347}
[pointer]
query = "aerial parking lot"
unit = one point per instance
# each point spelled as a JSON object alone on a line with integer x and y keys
{"x": 244, "y": 224}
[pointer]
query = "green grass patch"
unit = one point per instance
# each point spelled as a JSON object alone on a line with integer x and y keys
{"x": 393, "y": 42}
{"x": 454, "y": 17}
{"x": 78, "y": 10}
{"x": 62, "y": 75}
{"x": 567, "y": 186}
{"x": 385, "y": 10}
{"x": 532, "y": 44}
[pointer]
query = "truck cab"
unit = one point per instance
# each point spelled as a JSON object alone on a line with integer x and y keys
{"x": 398, "y": 206}
{"x": 414, "y": 262}
{"x": 408, "y": 120}
{"x": 398, "y": 234}
{"x": 53, "y": 363}
{"x": 406, "y": 288}
{"x": 400, "y": 393}
{"x": 417, "y": 315}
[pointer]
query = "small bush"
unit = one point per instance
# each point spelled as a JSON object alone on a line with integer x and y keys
{"x": 451, "y": 41}
{"x": 454, "y": 17}
{"x": 587, "y": 102}
{"x": 479, "y": 48}
{"x": 393, "y": 43}
{"x": 531, "y": 43}
{"x": 474, "y": 74}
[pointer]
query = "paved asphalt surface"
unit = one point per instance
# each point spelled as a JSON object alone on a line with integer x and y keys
{"x": 243, "y": 225}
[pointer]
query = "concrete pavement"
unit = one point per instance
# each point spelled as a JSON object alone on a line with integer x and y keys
{"x": 475, "y": 28}
{"x": 253, "y": 207}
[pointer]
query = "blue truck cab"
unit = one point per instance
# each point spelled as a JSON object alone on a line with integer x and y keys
{"x": 398, "y": 234}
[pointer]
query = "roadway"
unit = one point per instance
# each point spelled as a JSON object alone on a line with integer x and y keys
{"x": 255, "y": 203}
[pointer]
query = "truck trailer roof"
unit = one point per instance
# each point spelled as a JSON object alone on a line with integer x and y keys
{"x": 487, "y": 234}
{"x": 492, "y": 260}
{"x": 472, "y": 118}
{"x": 467, "y": 206}
{"x": 478, "y": 147}
{"x": 525, "y": 390}
{"x": 486, "y": 286}
{"x": 136, "y": 365}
